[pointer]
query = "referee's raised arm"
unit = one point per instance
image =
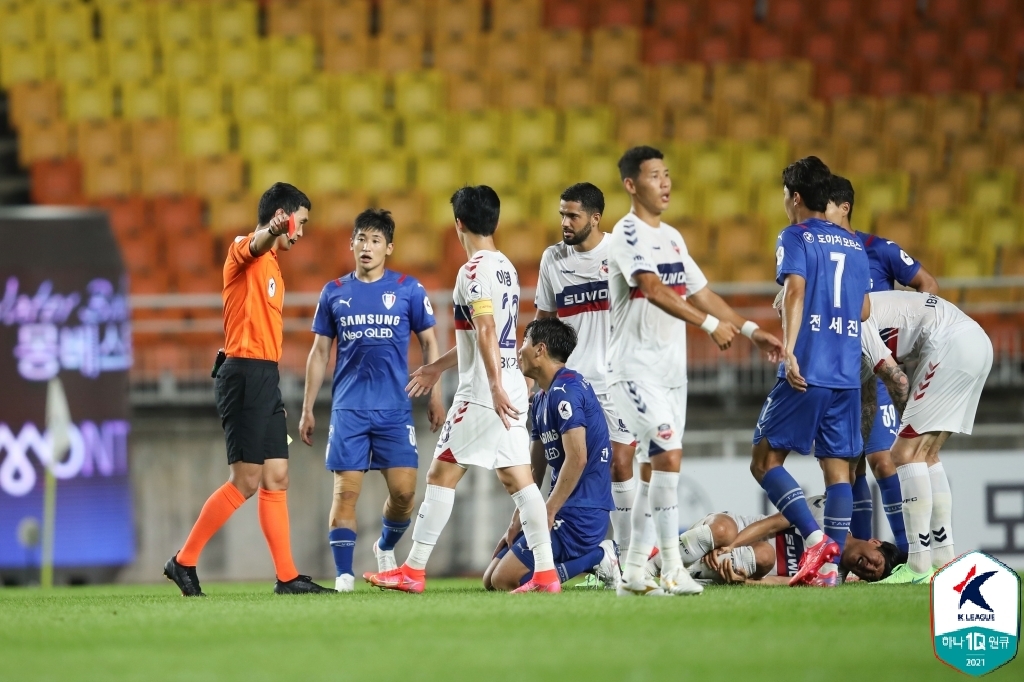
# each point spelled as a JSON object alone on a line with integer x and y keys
{"x": 248, "y": 394}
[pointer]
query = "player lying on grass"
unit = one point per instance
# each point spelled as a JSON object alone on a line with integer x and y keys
{"x": 733, "y": 548}
{"x": 570, "y": 433}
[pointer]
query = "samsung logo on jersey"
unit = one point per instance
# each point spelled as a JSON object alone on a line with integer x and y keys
{"x": 353, "y": 320}
{"x": 838, "y": 240}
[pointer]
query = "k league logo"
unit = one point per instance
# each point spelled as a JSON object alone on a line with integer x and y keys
{"x": 975, "y": 614}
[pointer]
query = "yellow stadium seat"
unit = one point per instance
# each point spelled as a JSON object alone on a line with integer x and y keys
{"x": 693, "y": 123}
{"x": 762, "y": 160}
{"x": 905, "y": 116}
{"x": 398, "y": 53}
{"x": 972, "y": 153}
{"x": 1005, "y": 116}
{"x": 547, "y": 170}
{"x": 457, "y": 52}
{"x": 990, "y": 189}
{"x": 880, "y": 192}
{"x": 43, "y": 140}
{"x": 1011, "y": 153}
{"x": 21, "y": 63}
{"x": 519, "y": 90}
{"x": 956, "y": 115}
{"x": 820, "y": 146}
{"x": 77, "y": 62}
{"x": 262, "y": 139}
{"x": 164, "y": 177}
{"x": 88, "y": 100}
{"x": 743, "y": 121}
{"x": 496, "y": 170}
{"x": 638, "y": 126}
{"x": 531, "y": 130}
{"x": 349, "y": 54}
{"x": 799, "y": 120}
{"x": 255, "y": 99}
{"x": 407, "y": 207}
{"x": 788, "y": 80}
{"x": 521, "y": 243}
{"x": 574, "y": 88}
{"x": 918, "y": 154}
{"x": 950, "y": 229}
{"x": 309, "y": 98}
{"x": 480, "y": 131}
{"x": 343, "y": 19}
{"x": 417, "y": 247}
{"x": 233, "y": 214}
{"x": 100, "y": 139}
{"x": 19, "y": 25}
{"x": 854, "y": 117}
{"x": 108, "y": 177}
{"x": 724, "y": 199}
{"x": 1000, "y": 228}
{"x": 935, "y": 191}
{"x": 587, "y": 128}
{"x": 458, "y": 17}
{"x": 768, "y": 205}
{"x": 695, "y": 234}
{"x": 198, "y": 99}
{"x": 327, "y": 175}
{"x": 903, "y": 227}
{"x": 291, "y": 57}
{"x": 126, "y": 21}
{"x": 265, "y": 172}
{"x": 419, "y": 92}
{"x": 428, "y": 134}
{"x": 615, "y": 47}
{"x": 626, "y": 88}
{"x": 860, "y": 155}
{"x": 679, "y": 85}
{"x": 402, "y": 17}
{"x": 598, "y": 166}
{"x": 154, "y": 138}
{"x": 130, "y": 61}
{"x": 67, "y": 22}
{"x": 710, "y": 161}
{"x": 384, "y": 173}
{"x": 968, "y": 263}
{"x": 370, "y": 134}
{"x": 360, "y": 94}
{"x": 439, "y": 173}
{"x": 233, "y": 20}
{"x": 184, "y": 61}
{"x": 317, "y": 137}
{"x": 617, "y": 205}
{"x": 516, "y": 15}
{"x": 205, "y": 137}
{"x": 180, "y": 21}
{"x": 560, "y": 50}
{"x": 738, "y": 81}
{"x": 145, "y": 99}
{"x": 505, "y": 52}
{"x": 439, "y": 212}
{"x": 238, "y": 60}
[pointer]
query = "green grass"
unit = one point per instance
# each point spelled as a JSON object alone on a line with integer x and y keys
{"x": 456, "y": 631}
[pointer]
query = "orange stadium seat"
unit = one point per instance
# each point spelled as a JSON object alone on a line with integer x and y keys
{"x": 291, "y": 17}
{"x": 519, "y": 90}
{"x": 662, "y": 46}
{"x": 44, "y": 140}
{"x": 717, "y": 46}
{"x": 638, "y": 125}
{"x": 627, "y": 87}
{"x": 127, "y": 215}
{"x": 788, "y": 79}
{"x": 619, "y": 13}
{"x": 114, "y": 176}
{"x": 457, "y": 52}
{"x": 917, "y": 155}
{"x": 991, "y": 75}
{"x": 838, "y": 14}
{"x": 161, "y": 177}
{"x": 798, "y": 120}
{"x": 834, "y": 80}
{"x": 194, "y": 253}
{"x": 56, "y": 181}
{"x": 337, "y": 211}
{"x": 1005, "y": 115}
{"x": 615, "y": 47}
{"x": 734, "y": 16}
{"x": 348, "y": 54}
{"x": 936, "y": 190}
{"x": 458, "y": 17}
{"x": 956, "y": 115}
{"x": 889, "y": 79}
{"x": 343, "y": 19}
{"x": 903, "y": 227}
{"x": 565, "y": 13}
{"x": 574, "y": 88}
{"x": 153, "y": 138}
{"x": 33, "y": 102}
{"x": 408, "y": 207}
{"x": 972, "y": 153}
{"x": 516, "y": 15}
{"x": 509, "y": 51}
{"x": 946, "y": 12}
{"x": 676, "y": 14}
{"x": 562, "y": 50}
{"x": 694, "y": 123}
{"x": 177, "y": 216}
{"x": 468, "y": 91}
{"x": 787, "y": 14}
{"x": 402, "y": 17}
{"x": 399, "y": 53}
{"x": 822, "y": 47}
{"x": 765, "y": 43}
{"x": 679, "y": 85}
{"x": 97, "y": 139}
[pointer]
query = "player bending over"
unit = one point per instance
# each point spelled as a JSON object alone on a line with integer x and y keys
{"x": 816, "y": 400}
{"x": 954, "y": 356}
{"x": 569, "y": 433}
{"x": 370, "y": 312}
{"x": 889, "y": 264}
{"x": 655, "y": 289}
{"x": 486, "y": 425}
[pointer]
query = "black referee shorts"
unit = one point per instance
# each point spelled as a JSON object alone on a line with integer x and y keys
{"x": 252, "y": 411}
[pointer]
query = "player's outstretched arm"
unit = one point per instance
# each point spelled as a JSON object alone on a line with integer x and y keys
{"x": 431, "y": 352}
{"x": 924, "y": 282}
{"x": 711, "y": 303}
{"x": 896, "y": 382}
{"x": 263, "y": 240}
{"x": 759, "y": 530}
{"x": 487, "y": 339}
{"x": 574, "y": 442}
{"x": 868, "y": 399}
{"x": 423, "y": 380}
{"x": 655, "y": 291}
{"x": 316, "y": 367}
{"x": 792, "y": 315}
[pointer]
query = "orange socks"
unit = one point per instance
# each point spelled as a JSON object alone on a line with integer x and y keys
{"x": 217, "y": 510}
{"x": 273, "y": 513}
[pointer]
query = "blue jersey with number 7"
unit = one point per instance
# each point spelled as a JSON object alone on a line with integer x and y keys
{"x": 835, "y": 266}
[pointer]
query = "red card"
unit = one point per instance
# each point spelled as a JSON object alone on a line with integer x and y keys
{"x": 291, "y": 226}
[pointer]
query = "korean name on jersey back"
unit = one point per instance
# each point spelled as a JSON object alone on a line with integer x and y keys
{"x": 835, "y": 269}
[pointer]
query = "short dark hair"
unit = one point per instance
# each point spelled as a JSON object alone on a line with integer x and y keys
{"x": 282, "y": 196}
{"x": 812, "y": 179}
{"x": 893, "y": 557}
{"x": 477, "y": 208}
{"x": 841, "y": 192}
{"x": 589, "y": 196}
{"x": 376, "y": 220}
{"x": 629, "y": 164}
{"x": 558, "y": 337}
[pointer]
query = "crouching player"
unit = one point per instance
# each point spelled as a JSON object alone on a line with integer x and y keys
{"x": 570, "y": 433}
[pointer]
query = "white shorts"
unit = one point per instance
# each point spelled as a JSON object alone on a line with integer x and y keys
{"x": 946, "y": 387}
{"x": 617, "y": 430}
{"x": 655, "y": 415}
{"x": 473, "y": 435}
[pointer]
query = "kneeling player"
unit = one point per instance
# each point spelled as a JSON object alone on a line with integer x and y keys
{"x": 570, "y": 433}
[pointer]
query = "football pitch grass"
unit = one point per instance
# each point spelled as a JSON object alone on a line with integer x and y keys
{"x": 456, "y": 631}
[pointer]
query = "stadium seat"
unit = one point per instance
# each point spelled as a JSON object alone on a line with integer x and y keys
{"x": 309, "y": 98}
{"x": 88, "y": 100}
{"x": 178, "y": 216}
{"x": 22, "y": 62}
{"x": 415, "y": 248}
{"x": 990, "y": 189}
{"x": 33, "y": 102}
{"x": 889, "y": 79}
{"x": 1000, "y": 228}
{"x": 439, "y": 173}
{"x": 440, "y": 218}
{"x": 43, "y": 140}
{"x": 597, "y": 166}
{"x": 290, "y": 18}
{"x": 664, "y": 47}
{"x": 457, "y": 52}
{"x": 509, "y": 51}
{"x": 767, "y": 43}
{"x": 946, "y": 13}
{"x": 240, "y": 60}
{"x": 566, "y": 13}
{"x": 743, "y": 121}
{"x": 968, "y": 263}
{"x": 316, "y": 138}
{"x": 108, "y": 177}
{"x": 956, "y": 115}
{"x": 972, "y": 153}
{"x": 125, "y": 21}
{"x": 860, "y": 154}
{"x": 180, "y": 21}
{"x": 369, "y": 134}
{"x": 562, "y": 50}
{"x": 619, "y": 13}
{"x": 186, "y": 60}
{"x": 822, "y": 47}
{"x": 100, "y": 139}
{"x": 208, "y": 137}
{"x": 639, "y": 126}
{"x": 905, "y": 116}
{"x": 233, "y": 214}
{"x": 950, "y": 229}
{"x": 797, "y": 120}
{"x": 822, "y": 147}
{"x": 1005, "y": 114}
{"x": 696, "y": 233}
{"x": 494, "y": 169}
{"x": 218, "y": 176}
{"x": 727, "y": 198}
{"x": 384, "y": 174}
{"x": 419, "y": 92}
{"x": 625, "y": 88}
{"x": 903, "y": 227}
{"x": 458, "y": 17}
{"x": 19, "y": 24}
{"x": 679, "y": 85}
{"x": 56, "y": 181}
{"x": 344, "y": 19}
{"x": 76, "y": 62}
{"x": 1011, "y": 153}
{"x": 761, "y": 160}
{"x": 255, "y": 99}
{"x": 468, "y": 91}
{"x": 917, "y": 155}
{"x": 480, "y": 131}
{"x": 788, "y": 79}
{"x": 130, "y": 61}
{"x": 927, "y": 44}
{"x": 402, "y": 17}
{"x": 142, "y": 251}
{"x": 67, "y": 23}
{"x": 855, "y": 116}
{"x": 787, "y": 14}
{"x": 717, "y": 46}
{"x": 616, "y": 48}
{"x": 546, "y": 170}
{"x": 127, "y": 215}
{"x": 233, "y": 20}
{"x": 738, "y": 238}
{"x": 326, "y": 175}
{"x": 519, "y": 90}
{"x": 835, "y": 80}
{"x": 738, "y": 82}
{"x": 199, "y": 99}
{"x": 427, "y": 134}
{"x": 693, "y": 123}
{"x": 337, "y": 211}
{"x": 617, "y": 205}
{"x": 399, "y": 53}
{"x": 515, "y": 15}
{"x": 587, "y": 128}
{"x": 676, "y": 14}
{"x": 940, "y": 78}
{"x": 880, "y": 192}
{"x": 408, "y": 207}
{"x": 709, "y": 161}
{"x": 349, "y": 54}
{"x": 361, "y": 94}
{"x": 531, "y": 130}
{"x": 291, "y": 57}
{"x": 991, "y": 75}
{"x": 575, "y": 88}
{"x": 936, "y": 190}
{"x": 145, "y": 99}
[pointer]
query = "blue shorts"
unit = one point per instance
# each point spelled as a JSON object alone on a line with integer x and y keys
{"x": 577, "y": 531}
{"x": 883, "y": 429}
{"x": 827, "y": 419}
{"x": 371, "y": 439}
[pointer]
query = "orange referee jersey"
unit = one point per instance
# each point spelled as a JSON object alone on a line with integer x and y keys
{"x": 253, "y": 301}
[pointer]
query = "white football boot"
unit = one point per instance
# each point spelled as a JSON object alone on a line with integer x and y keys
{"x": 608, "y": 572}
{"x": 346, "y": 582}
{"x": 679, "y": 582}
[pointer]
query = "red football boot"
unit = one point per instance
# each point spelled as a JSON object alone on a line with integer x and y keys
{"x": 813, "y": 559}
{"x": 403, "y": 579}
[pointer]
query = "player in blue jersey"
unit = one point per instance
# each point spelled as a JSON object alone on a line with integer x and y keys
{"x": 816, "y": 401}
{"x": 370, "y": 312}
{"x": 570, "y": 434}
{"x": 889, "y": 264}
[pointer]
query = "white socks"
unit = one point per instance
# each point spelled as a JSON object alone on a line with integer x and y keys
{"x": 433, "y": 516}
{"x": 665, "y": 511}
{"x": 917, "y": 514}
{"x": 695, "y": 543}
{"x": 942, "y": 517}
{"x": 743, "y": 559}
{"x": 642, "y": 541}
{"x": 533, "y": 514}
{"x": 623, "y": 493}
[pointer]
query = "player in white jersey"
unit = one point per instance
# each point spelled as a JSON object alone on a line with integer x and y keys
{"x": 486, "y": 425}
{"x": 655, "y": 288}
{"x": 954, "y": 356}
{"x": 573, "y": 286}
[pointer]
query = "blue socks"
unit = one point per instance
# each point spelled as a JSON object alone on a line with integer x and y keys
{"x": 391, "y": 533}
{"x": 343, "y": 544}
{"x": 838, "y": 509}
{"x": 860, "y": 524}
{"x": 787, "y": 496}
{"x": 892, "y": 503}
{"x": 572, "y": 568}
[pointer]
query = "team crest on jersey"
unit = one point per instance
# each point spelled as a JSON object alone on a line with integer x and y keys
{"x": 604, "y": 267}
{"x": 664, "y": 431}
{"x": 808, "y": 237}
{"x": 271, "y": 287}
{"x": 389, "y": 299}
{"x": 676, "y": 247}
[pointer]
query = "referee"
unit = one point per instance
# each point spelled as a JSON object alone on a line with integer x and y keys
{"x": 248, "y": 396}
